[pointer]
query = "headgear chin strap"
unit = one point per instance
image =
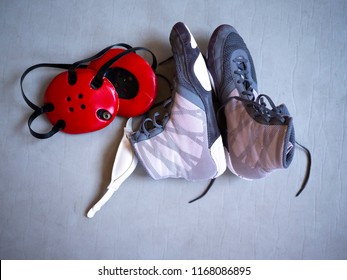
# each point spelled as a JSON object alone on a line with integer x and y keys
{"x": 84, "y": 98}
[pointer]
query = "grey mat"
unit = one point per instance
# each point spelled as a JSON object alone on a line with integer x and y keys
{"x": 47, "y": 186}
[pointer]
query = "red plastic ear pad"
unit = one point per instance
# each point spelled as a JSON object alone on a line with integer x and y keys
{"x": 83, "y": 108}
{"x": 133, "y": 79}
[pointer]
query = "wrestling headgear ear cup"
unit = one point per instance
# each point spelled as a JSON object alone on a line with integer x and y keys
{"x": 82, "y": 107}
{"x": 134, "y": 80}
{"x": 79, "y": 100}
{"x": 69, "y": 101}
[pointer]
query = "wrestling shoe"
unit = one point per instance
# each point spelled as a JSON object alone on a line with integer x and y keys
{"x": 185, "y": 142}
{"x": 258, "y": 136}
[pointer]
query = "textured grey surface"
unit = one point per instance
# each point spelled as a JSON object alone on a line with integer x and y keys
{"x": 46, "y": 187}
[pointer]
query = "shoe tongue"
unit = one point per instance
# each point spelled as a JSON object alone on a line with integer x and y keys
{"x": 224, "y": 97}
{"x": 236, "y": 92}
{"x": 233, "y": 93}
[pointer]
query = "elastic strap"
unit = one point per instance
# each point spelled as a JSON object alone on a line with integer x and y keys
{"x": 46, "y": 108}
{"x": 72, "y": 76}
{"x": 60, "y": 124}
{"x": 27, "y": 71}
{"x": 98, "y": 79}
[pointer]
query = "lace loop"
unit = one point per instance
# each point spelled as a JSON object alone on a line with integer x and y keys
{"x": 243, "y": 72}
{"x": 153, "y": 122}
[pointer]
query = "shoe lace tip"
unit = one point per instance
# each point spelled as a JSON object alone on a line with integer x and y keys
{"x": 205, "y": 191}
{"x": 308, "y": 168}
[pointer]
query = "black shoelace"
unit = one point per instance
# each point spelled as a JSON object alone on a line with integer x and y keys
{"x": 308, "y": 168}
{"x": 303, "y": 185}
